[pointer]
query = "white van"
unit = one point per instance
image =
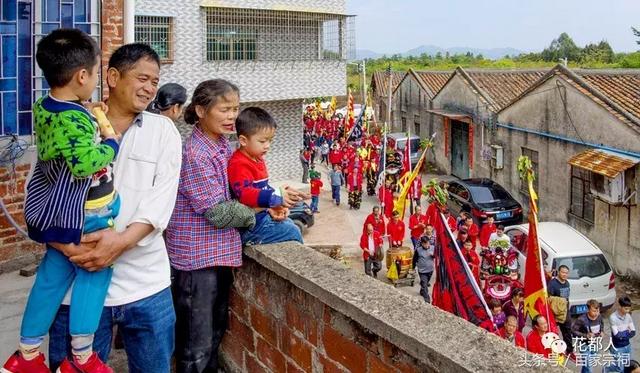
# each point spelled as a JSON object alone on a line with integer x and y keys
{"x": 590, "y": 275}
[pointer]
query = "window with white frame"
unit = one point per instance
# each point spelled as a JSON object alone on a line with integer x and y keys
{"x": 236, "y": 34}
{"x": 157, "y": 32}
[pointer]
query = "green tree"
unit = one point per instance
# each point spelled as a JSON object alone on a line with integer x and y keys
{"x": 598, "y": 53}
{"x": 636, "y": 32}
{"x": 562, "y": 47}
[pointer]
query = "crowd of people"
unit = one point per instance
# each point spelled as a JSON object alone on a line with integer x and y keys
{"x": 142, "y": 232}
{"x": 508, "y": 316}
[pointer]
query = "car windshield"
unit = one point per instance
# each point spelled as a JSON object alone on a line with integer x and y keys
{"x": 584, "y": 266}
{"x": 415, "y": 145}
{"x": 483, "y": 194}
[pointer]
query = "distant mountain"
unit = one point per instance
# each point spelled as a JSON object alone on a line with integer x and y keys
{"x": 365, "y": 53}
{"x": 492, "y": 53}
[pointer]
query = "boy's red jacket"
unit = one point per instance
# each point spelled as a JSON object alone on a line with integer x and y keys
{"x": 380, "y": 227}
{"x": 473, "y": 233}
{"x": 485, "y": 234}
{"x": 364, "y": 243}
{"x": 416, "y": 231}
{"x": 316, "y": 184}
{"x": 396, "y": 230}
{"x": 249, "y": 181}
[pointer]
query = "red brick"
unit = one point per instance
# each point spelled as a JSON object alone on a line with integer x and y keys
{"x": 20, "y": 185}
{"x": 264, "y": 325}
{"x": 312, "y": 331}
{"x": 329, "y": 366}
{"x": 8, "y": 232}
{"x": 398, "y": 358}
{"x": 343, "y": 350}
{"x": 293, "y": 368}
{"x": 270, "y": 357}
{"x": 368, "y": 340}
{"x": 262, "y": 296}
{"x": 253, "y": 365}
{"x": 326, "y": 315}
{"x": 294, "y": 318}
{"x": 378, "y": 366}
{"x": 8, "y": 251}
{"x": 23, "y": 167}
{"x": 233, "y": 350}
{"x": 296, "y": 349}
{"x": 238, "y": 305}
{"x": 240, "y": 331}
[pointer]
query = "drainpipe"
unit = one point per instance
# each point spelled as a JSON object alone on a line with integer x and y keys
{"x": 511, "y": 127}
{"x": 129, "y": 18}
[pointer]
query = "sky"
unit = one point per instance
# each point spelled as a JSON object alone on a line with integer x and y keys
{"x": 390, "y": 26}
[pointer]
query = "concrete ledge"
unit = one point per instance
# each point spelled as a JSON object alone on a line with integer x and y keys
{"x": 439, "y": 340}
{"x": 19, "y": 262}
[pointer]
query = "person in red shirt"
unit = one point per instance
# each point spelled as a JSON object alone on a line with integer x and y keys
{"x": 385, "y": 195}
{"x": 472, "y": 259}
{"x": 417, "y": 224}
{"x": 377, "y": 220}
{"x": 485, "y": 232}
{"x": 534, "y": 338}
{"x": 510, "y": 332}
{"x": 354, "y": 184}
{"x": 472, "y": 230}
{"x": 395, "y": 228}
{"x": 335, "y": 155}
{"x": 415, "y": 191}
{"x": 371, "y": 245}
{"x": 316, "y": 185}
{"x": 451, "y": 221}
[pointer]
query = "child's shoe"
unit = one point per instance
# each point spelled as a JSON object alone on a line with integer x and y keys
{"x": 93, "y": 365}
{"x": 18, "y": 364}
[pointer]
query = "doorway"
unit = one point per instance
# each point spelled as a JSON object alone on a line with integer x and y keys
{"x": 459, "y": 149}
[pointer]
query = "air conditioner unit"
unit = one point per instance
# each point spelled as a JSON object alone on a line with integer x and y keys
{"x": 497, "y": 157}
{"x": 610, "y": 190}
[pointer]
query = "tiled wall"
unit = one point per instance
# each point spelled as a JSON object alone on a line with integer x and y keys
{"x": 22, "y": 24}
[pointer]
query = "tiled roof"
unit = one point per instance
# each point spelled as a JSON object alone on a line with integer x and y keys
{"x": 602, "y": 162}
{"x": 623, "y": 87}
{"x": 433, "y": 81}
{"x": 500, "y": 87}
{"x": 379, "y": 81}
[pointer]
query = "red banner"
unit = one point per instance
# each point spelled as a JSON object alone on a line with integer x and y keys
{"x": 455, "y": 289}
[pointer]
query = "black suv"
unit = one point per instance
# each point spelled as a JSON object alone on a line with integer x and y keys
{"x": 482, "y": 198}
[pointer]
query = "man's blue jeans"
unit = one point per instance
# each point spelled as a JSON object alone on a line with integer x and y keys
{"x": 335, "y": 193}
{"x": 269, "y": 231}
{"x": 147, "y": 327}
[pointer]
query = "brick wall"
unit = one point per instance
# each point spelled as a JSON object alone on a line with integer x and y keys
{"x": 112, "y": 33}
{"x": 13, "y": 245}
{"x": 276, "y": 327}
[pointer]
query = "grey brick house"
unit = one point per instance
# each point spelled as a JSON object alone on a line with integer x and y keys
{"x": 278, "y": 52}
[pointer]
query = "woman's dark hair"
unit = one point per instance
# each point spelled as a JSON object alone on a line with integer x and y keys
{"x": 167, "y": 96}
{"x": 63, "y": 52}
{"x": 252, "y": 120}
{"x": 125, "y": 57}
{"x": 207, "y": 94}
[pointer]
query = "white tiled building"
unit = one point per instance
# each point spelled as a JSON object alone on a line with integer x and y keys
{"x": 278, "y": 52}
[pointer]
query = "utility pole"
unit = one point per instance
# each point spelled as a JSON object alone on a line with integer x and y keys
{"x": 364, "y": 83}
{"x": 389, "y": 90}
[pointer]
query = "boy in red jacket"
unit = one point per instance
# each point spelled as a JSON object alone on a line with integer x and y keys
{"x": 316, "y": 185}
{"x": 249, "y": 181}
{"x": 385, "y": 195}
{"x": 472, "y": 229}
{"x": 395, "y": 229}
